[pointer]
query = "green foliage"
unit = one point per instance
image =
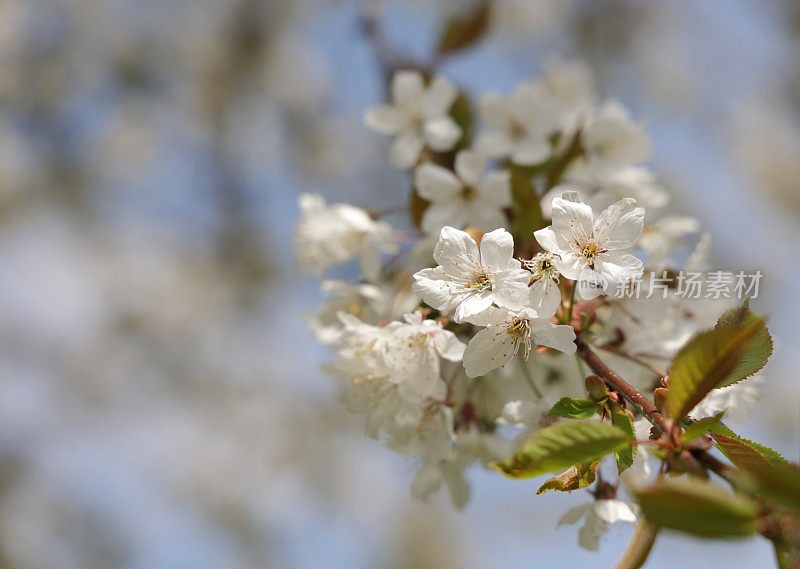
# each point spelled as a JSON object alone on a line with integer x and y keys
{"x": 596, "y": 388}
{"x": 699, "y": 428}
{"x": 625, "y": 456}
{"x": 709, "y": 359}
{"x": 463, "y": 30}
{"x": 563, "y": 445}
{"x": 573, "y": 478}
{"x": 463, "y": 115}
{"x": 720, "y": 430}
{"x": 697, "y": 507}
{"x": 780, "y": 483}
{"x": 571, "y": 408}
{"x": 756, "y": 351}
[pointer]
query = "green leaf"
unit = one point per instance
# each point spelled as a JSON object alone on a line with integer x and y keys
{"x": 699, "y": 428}
{"x": 626, "y": 455}
{"x": 771, "y": 455}
{"x": 756, "y": 351}
{"x": 780, "y": 483}
{"x": 573, "y": 478}
{"x": 574, "y": 408}
{"x": 461, "y": 30}
{"x": 697, "y": 507}
{"x": 463, "y": 115}
{"x": 706, "y": 361}
{"x": 563, "y": 445}
{"x": 596, "y": 388}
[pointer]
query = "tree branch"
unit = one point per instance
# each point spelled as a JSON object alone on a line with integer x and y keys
{"x": 623, "y": 387}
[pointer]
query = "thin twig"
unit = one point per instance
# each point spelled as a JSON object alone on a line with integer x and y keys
{"x": 623, "y": 354}
{"x": 527, "y": 373}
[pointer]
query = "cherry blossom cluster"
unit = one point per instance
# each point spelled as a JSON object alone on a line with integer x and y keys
{"x": 536, "y": 210}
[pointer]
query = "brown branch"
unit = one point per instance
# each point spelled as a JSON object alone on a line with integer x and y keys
{"x": 626, "y": 389}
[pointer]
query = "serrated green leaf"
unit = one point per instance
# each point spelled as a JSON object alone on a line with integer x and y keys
{"x": 571, "y": 408}
{"x": 563, "y": 445}
{"x": 779, "y": 483}
{"x": 573, "y": 478}
{"x": 699, "y": 428}
{"x": 705, "y": 361}
{"x": 626, "y": 455}
{"x": 770, "y": 454}
{"x": 461, "y": 30}
{"x": 756, "y": 351}
{"x": 697, "y": 507}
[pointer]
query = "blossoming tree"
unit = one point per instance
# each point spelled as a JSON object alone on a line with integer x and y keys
{"x": 538, "y": 319}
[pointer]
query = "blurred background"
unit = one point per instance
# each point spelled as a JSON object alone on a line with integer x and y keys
{"x": 161, "y": 402}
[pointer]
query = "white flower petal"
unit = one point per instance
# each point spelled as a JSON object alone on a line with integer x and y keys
{"x": 572, "y": 219}
{"x": 494, "y": 143}
{"x": 611, "y": 511}
{"x": 440, "y": 214}
{"x": 619, "y": 226}
{"x": 431, "y": 286}
{"x": 497, "y": 249}
{"x": 386, "y": 119}
{"x": 590, "y": 533}
{"x": 494, "y": 109}
{"x": 558, "y": 337}
{"x": 469, "y": 166}
{"x": 405, "y": 151}
{"x": 436, "y": 183}
{"x": 544, "y": 297}
{"x": 408, "y": 89}
{"x": 574, "y": 515}
{"x": 454, "y": 245}
{"x": 427, "y": 480}
{"x": 472, "y": 305}
{"x": 616, "y": 268}
{"x": 495, "y": 188}
{"x": 530, "y": 151}
{"x": 512, "y": 292}
{"x": 547, "y": 239}
{"x": 439, "y": 97}
{"x": 449, "y": 346}
{"x": 489, "y": 349}
{"x": 442, "y": 133}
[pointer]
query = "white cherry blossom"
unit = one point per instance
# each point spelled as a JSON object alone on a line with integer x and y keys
{"x": 611, "y": 136}
{"x": 413, "y": 352}
{"x": 469, "y": 279}
{"x": 468, "y": 197}
{"x": 597, "y": 516}
{"x": 544, "y": 296}
{"x": 601, "y": 184}
{"x": 329, "y": 235}
{"x": 600, "y": 245}
{"x": 519, "y": 127}
{"x": 418, "y": 117}
{"x": 506, "y": 331}
{"x": 660, "y": 239}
